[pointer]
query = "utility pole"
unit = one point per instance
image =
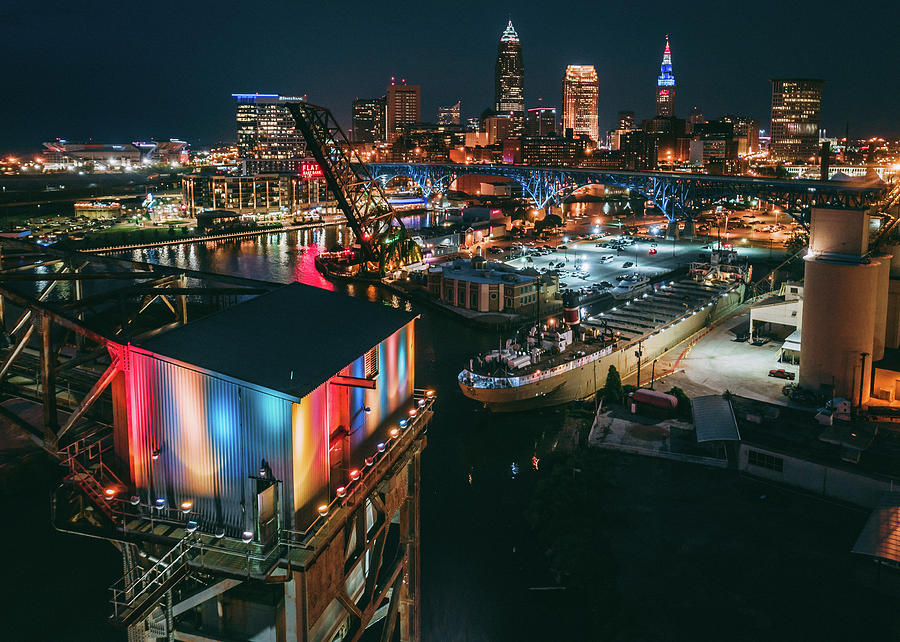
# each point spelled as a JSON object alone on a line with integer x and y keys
{"x": 639, "y": 353}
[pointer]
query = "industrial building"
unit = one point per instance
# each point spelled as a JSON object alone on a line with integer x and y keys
{"x": 262, "y": 480}
{"x": 488, "y": 286}
{"x": 851, "y": 309}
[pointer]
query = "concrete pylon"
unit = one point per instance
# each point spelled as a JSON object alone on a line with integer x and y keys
{"x": 672, "y": 231}
{"x": 688, "y": 231}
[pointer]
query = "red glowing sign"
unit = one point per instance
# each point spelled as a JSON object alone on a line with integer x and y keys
{"x": 311, "y": 169}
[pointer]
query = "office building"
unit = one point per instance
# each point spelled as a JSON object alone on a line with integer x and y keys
{"x": 640, "y": 150}
{"x": 580, "y": 98}
{"x": 540, "y": 121}
{"x": 665, "y": 86}
{"x": 403, "y": 107}
{"x": 549, "y": 151}
{"x": 509, "y": 77}
{"x": 625, "y": 120}
{"x": 796, "y": 107}
{"x": 267, "y": 138}
{"x": 449, "y": 115}
{"x": 368, "y": 120}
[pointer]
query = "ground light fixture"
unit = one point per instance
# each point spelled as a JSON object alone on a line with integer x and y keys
{"x": 394, "y": 433}
{"x": 186, "y": 506}
{"x": 110, "y": 492}
{"x": 381, "y": 446}
{"x": 160, "y": 503}
{"x": 354, "y": 474}
{"x": 191, "y": 526}
{"x": 247, "y": 537}
{"x": 341, "y": 491}
{"x": 322, "y": 510}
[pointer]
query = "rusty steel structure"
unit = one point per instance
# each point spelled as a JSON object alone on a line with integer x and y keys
{"x": 65, "y": 320}
{"x": 360, "y": 197}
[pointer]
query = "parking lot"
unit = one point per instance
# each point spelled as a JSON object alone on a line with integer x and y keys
{"x": 718, "y": 363}
{"x": 581, "y": 263}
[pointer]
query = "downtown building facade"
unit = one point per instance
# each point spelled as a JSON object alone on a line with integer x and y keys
{"x": 509, "y": 78}
{"x": 403, "y": 107}
{"x": 580, "y": 101}
{"x": 665, "y": 86}
{"x": 796, "y": 111}
{"x": 267, "y": 139}
{"x": 541, "y": 121}
{"x": 369, "y": 120}
{"x": 450, "y": 115}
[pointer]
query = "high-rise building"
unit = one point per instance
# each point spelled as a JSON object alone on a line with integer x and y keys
{"x": 694, "y": 118}
{"x": 267, "y": 138}
{"x": 796, "y": 107}
{"x": 404, "y": 107}
{"x": 580, "y": 101}
{"x": 626, "y": 120}
{"x": 449, "y": 115}
{"x": 665, "y": 86}
{"x": 540, "y": 121}
{"x": 509, "y": 77}
{"x": 368, "y": 120}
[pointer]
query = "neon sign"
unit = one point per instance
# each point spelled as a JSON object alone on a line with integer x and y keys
{"x": 310, "y": 169}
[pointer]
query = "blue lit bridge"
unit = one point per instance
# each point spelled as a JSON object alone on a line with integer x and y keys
{"x": 678, "y": 195}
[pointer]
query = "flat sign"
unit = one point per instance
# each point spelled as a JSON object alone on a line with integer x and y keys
{"x": 310, "y": 169}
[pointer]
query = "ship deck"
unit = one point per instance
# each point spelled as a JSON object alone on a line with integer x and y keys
{"x": 627, "y": 322}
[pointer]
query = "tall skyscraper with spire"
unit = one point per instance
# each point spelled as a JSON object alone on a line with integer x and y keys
{"x": 665, "y": 86}
{"x": 509, "y": 77}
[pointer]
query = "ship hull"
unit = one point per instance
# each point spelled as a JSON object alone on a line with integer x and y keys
{"x": 582, "y": 382}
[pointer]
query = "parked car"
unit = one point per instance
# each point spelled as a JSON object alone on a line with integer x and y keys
{"x": 781, "y": 373}
{"x": 652, "y": 251}
{"x": 627, "y": 264}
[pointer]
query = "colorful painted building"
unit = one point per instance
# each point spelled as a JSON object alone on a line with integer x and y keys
{"x": 256, "y": 414}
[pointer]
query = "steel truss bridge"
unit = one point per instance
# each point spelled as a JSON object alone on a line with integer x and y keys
{"x": 680, "y": 196}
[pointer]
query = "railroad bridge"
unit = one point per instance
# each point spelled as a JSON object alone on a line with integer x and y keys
{"x": 679, "y": 195}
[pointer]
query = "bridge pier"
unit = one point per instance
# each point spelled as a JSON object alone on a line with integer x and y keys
{"x": 672, "y": 231}
{"x": 688, "y": 231}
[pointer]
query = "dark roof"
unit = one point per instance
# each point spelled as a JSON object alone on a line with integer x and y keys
{"x": 299, "y": 329}
{"x": 714, "y": 419}
{"x": 880, "y": 537}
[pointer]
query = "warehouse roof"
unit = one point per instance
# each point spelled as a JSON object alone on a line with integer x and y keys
{"x": 880, "y": 537}
{"x": 290, "y": 340}
{"x": 714, "y": 419}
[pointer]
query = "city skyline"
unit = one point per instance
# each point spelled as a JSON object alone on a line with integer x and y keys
{"x": 143, "y": 95}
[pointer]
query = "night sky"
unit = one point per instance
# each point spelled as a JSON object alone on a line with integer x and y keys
{"x": 124, "y": 71}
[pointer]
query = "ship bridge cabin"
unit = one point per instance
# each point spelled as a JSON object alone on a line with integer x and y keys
{"x": 255, "y": 416}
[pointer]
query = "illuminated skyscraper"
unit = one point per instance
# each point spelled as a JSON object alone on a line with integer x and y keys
{"x": 580, "y": 101}
{"x": 796, "y": 106}
{"x": 665, "y": 86}
{"x": 267, "y": 139}
{"x": 368, "y": 120}
{"x": 509, "y": 77}
{"x": 449, "y": 115}
{"x": 404, "y": 107}
{"x": 541, "y": 121}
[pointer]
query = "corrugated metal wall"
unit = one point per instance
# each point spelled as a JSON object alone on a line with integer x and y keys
{"x": 211, "y": 436}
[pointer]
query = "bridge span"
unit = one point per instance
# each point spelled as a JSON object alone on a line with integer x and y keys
{"x": 679, "y": 195}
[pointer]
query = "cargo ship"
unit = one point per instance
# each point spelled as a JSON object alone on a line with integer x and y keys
{"x": 568, "y": 359}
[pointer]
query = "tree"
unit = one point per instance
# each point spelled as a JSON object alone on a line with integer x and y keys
{"x": 780, "y": 171}
{"x": 684, "y": 403}
{"x": 550, "y": 220}
{"x": 612, "y": 391}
